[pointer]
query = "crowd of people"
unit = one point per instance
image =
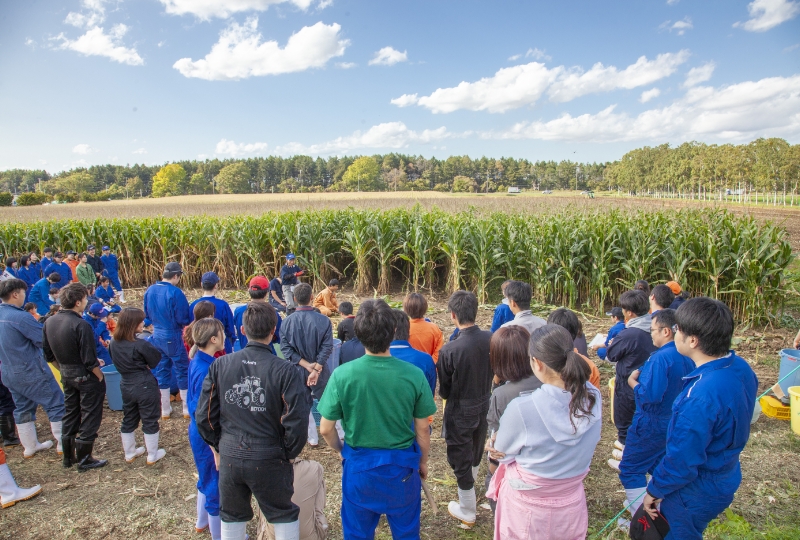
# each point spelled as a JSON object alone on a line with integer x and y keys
{"x": 522, "y": 396}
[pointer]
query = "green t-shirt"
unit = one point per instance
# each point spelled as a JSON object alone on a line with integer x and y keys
{"x": 377, "y": 399}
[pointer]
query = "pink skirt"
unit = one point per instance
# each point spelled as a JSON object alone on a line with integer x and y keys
{"x": 530, "y": 507}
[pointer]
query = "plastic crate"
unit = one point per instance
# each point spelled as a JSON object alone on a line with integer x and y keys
{"x": 315, "y": 412}
{"x": 773, "y": 408}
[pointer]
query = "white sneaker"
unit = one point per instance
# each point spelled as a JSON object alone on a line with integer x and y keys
{"x": 619, "y": 446}
{"x": 614, "y": 464}
{"x": 616, "y": 454}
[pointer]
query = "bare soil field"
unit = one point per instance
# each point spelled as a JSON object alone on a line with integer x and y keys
{"x": 123, "y": 501}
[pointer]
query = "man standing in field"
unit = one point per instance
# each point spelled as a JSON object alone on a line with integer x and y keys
{"x": 709, "y": 426}
{"x": 379, "y": 398}
{"x": 111, "y": 270}
{"x": 465, "y": 381}
{"x": 519, "y": 295}
{"x": 60, "y": 268}
{"x": 166, "y": 308}
{"x": 72, "y": 262}
{"x": 94, "y": 261}
{"x": 257, "y": 289}
{"x": 289, "y": 281}
{"x": 222, "y": 310}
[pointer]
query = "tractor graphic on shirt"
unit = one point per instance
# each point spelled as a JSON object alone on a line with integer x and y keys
{"x": 247, "y": 393}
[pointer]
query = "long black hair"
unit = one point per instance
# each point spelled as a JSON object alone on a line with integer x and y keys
{"x": 552, "y": 345}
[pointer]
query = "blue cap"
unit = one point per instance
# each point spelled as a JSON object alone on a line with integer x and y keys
{"x": 210, "y": 278}
{"x": 106, "y": 248}
{"x": 290, "y": 256}
{"x": 98, "y": 310}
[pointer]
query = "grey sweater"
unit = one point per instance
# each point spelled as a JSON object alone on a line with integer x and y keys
{"x": 502, "y": 396}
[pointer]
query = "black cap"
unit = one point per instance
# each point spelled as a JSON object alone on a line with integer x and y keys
{"x": 643, "y": 527}
{"x": 90, "y": 247}
{"x": 173, "y": 268}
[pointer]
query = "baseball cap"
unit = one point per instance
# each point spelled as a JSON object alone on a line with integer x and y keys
{"x": 106, "y": 248}
{"x": 643, "y": 527}
{"x": 70, "y": 252}
{"x": 59, "y": 255}
{"x": 173, "y": 268}
{"x": 259, "y": 283}
{"x": 98, "y": 310}
{"x": 209, "y": 278}
{"x": 90, "y": 246}
{"x": 290, "y": 256}
{"x": 674, "y": 287}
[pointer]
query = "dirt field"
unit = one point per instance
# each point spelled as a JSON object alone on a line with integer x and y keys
{"x": 123, "y": 501}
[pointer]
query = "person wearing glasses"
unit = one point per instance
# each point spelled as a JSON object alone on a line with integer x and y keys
{"x": 655, "y": 386}
{"x": 710, "y": 424}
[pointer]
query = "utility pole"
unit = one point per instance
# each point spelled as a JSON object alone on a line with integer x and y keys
{"x": 577, "y": 170}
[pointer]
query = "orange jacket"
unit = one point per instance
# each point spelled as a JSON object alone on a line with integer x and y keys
{"x": 594, "y": 378}
{"x": 426, "y": 337}
{"x": 73, "y": 265}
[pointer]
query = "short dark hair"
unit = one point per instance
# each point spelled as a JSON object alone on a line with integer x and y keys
{"x": 663, "y": 296}
{"x": 402, "y": 324}
{"x": 642, "y": 285}
{"x": 104, "y": 279}
{"x": 47, "y": 250}
{"x": 10, "y": 286}
{"x": 635, "y": 301}
{"x": 203, "y": 310}
{"x": 567, "y": 319}
{"x": 520, "y": 292}
{"x": 10, "y": 261}
{"x": 258, "y": 294}
{"x": 333, "y": 283}
{"x": 82, "y": 256}
{"x": 259, "y": 320}
{"x": 664, "y": 318}
{"x": 710, "y": 321}
{"x": 24, "y": 260}
{"x": 54, "y": 291}
{"x": 208, "y": 286}
{"x": 29, "y": 306}
{"x": 374, "y": 325}
{"x": 302, "y": 294}
{"x": 508, "y": 353}
{"x": 346, "y": 308}
{"x": 464, "y": 305}
{"x": 616, "y": 312}
{"x": 415, "y": 305}
{"x": 127, "y": 323}
{"x": 54, "y": 277}
{"x": 70, "y": 295}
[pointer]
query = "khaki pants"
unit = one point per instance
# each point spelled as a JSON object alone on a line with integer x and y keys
{"x": 309, "y": 495}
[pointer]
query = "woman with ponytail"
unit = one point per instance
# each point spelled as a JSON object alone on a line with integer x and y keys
{"x": 545, "y": 444}
{"x": 202, "y": 310}
{"x": 208, "y": 339}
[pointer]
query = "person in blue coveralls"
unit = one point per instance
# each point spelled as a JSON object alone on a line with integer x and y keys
{"x": 710, "y": 424}
{"x": 96, "y": 316}
{"x": 40, "y": 293}
{"x": 618, "y": 318}
{"x": 402, "y": 349}
{"x": 28, "y": 273}
{"x": 379, "y": 398}
{"x": 289, "y": 274}
{"x": 105, "y": 293}
{"x": 209, "y": 339}
{"x": 655, "y": 386}
{"x": 111, "y": 270}
{"x": 258, "y": 289}
{"x": 223, "y": 312}
{"x": 60, "y": 268}
{"x": 166, "y": 308}
{"x": 47, "y": 258}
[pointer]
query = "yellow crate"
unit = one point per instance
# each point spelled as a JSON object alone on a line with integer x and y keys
{"x": 773, "y": 408}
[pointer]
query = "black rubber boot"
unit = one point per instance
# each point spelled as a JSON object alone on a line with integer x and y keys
{"x": 83, "y": 453}
{"x": 68, "y": 446}
{"x": 8, "y": 428}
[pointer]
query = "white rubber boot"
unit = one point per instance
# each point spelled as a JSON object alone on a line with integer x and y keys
{"x": 617, "y": 454}
{"x": 184, "y": 401}
{"x": 619, "y": 446}
{"x": 10, "y": 492}
{"x": 129, "y": 446}
{"x": 637, "y": 496}
{"x": 122, "y": 297}
{"x": 27, "y": 435}
{"x": 287, "y": 531}
{"x": 475, "y": 473}
{"x": 215, "y": 527}
{"x": 313, "y": 436}
{"x": 233, "y": 531}
{"x": 154, "y": 453}
{"x": 464, "y": 510}
{"x": 202, "y": 516}
{"x": 55, "y": 428}
{"x": 166, "y": 408}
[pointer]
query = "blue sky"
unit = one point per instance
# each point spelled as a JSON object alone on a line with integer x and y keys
{"x": 108, "y": 81}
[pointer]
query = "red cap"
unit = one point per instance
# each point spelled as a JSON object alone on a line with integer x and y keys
{"x": 259, "y": 283}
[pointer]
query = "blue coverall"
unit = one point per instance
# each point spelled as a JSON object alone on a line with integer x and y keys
{"x": 40, "y": 295}
{"x": 166, "y": 307}
{"x": 62, "y": 270}
{"x": 208, "y": 481}
{"x": 107, "y": 295}
{"x": 237, "y": 322}
{"x": 111, "y": 270}
{"x": 100, "y": 331}
{"x": 35, "y": 268}
{"x": 616, "y": 329}
{"x": 660, "y": 382}
{"x": 30, "y": 277}
{"x": 710, "y": 425}
{"x": 223, "y": 313}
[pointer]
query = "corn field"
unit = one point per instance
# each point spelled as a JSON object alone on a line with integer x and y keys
{"x": 577, "y": 259}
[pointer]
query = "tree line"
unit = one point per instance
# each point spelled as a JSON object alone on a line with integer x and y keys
{"x": 691, "y": 169}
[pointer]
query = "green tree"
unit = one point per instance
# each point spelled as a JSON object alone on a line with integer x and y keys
{"x": 464, "y": 184}
{"x": 168, "y": 181}
{"x": 234, "y": 178}
{"x": 134, "y": 186}
{"x": 362, "y": 174}
{"x": 199, "y": 184}
{"x": 6, "y": 198}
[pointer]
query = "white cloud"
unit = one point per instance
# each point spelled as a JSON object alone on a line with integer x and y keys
{"x": 738, "y": 112}
{"x": 82, "y": 149}
{"x": 522, "y": 85}
{"x": 672, "y": 2}
{"x": 230, "y": 148}
{"x": 207, "y": 9}
{"x": 790, "y": 48}
{"x": 699, "y": 74}
{"x": 323, "y": 4}
{"x": 537, "y": 54}
{"x": 346, "y": 65}
{"x": 682, "y": 26}
{"x": 161, "y": 44}
{"x": 139, "y": 151}
{"x": 95, "y": 15}
{"x": 241, "y": 53}
{"x": 767, "y": 14}
{"x": 95, "y": 42}
{"x": 647, "y": 95}
{"x": 387, "y": 135}
{"x": 388, "y": 56}
{"x": 514, "y": 58}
